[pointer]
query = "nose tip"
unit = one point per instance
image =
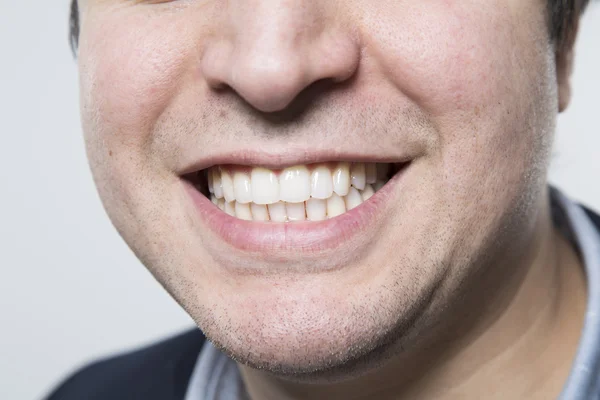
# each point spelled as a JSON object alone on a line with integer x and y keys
{"x": 269, "y": 75}
{"x": 270, "y": 83}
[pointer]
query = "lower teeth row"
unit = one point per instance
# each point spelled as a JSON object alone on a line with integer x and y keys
{"x": 311, "y": 210}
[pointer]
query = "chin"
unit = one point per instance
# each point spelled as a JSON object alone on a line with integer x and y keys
{"x": 305, "y": 336}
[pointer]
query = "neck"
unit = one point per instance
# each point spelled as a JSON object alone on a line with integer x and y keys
{"x": 519, "y": 343}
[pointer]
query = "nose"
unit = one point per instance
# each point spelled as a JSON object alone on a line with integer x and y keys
{"x": 269, "y": 51}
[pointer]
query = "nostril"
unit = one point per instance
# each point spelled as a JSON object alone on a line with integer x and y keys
{"x": 269, "y": 91}
{"x": 276, "y": 73}
{"x": 301, "y": 103}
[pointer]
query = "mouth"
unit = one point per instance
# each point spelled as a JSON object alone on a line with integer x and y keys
{"x": 318, "y": 216}
{"x": 308, "y": 192}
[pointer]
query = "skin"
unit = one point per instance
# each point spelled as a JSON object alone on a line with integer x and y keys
{"x": 461, "y": 289}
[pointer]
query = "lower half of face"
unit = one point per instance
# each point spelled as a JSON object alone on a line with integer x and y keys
{"x": 313, "y": 266}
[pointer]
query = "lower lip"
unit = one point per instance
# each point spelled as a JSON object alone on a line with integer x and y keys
{"x": 295, "y": 238}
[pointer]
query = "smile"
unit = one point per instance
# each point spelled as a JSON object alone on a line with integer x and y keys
{"x": 313, "y": 192}
{"x": 283, "y": 211}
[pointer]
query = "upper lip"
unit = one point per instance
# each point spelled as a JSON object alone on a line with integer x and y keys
{"x": 288, "y": 157}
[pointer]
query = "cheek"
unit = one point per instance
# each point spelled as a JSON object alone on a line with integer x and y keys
{"x": 481, "y": 70}
{"x": 449, "y": 56}
{"x": 483, "y": 73}
{"x": 131, "y": 65}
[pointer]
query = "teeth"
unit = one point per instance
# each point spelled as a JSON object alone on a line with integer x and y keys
{"x": 321, "y": 183}
{"x": 298, "y": 193}
{"x": 230, "y": 208}
{"x": 277, "y": 212}
{"x": 353, "y": 199}
{"x": 368, "y": 192}
{"x": 259, "y": 212}
{"x": 241, "y": 187}
{"x": 371, "y": 172}
{"x": 358, "y": 177}
{"x": 218, "y": 189}
{"x": 209, "y": 176}
{"x": 341, "y": 179}
{"x": 294, "y": 184}
{"x": 316, "y": 209}
{"x": 265, "y": 186}
{"x": 242, "y": 211}
{"x": 227, "y": 184}
{"x": 335, "y": 206}
{"x": 295, "y": 211}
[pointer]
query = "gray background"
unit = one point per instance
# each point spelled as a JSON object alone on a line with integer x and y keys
{"x": 70, "y": 289}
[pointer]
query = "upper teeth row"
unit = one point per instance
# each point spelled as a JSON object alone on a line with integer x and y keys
{"x": 294, "y": 184}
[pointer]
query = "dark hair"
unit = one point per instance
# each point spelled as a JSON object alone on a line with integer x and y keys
{"x": 74, "y": 26}
{"x": 562, "y": 19}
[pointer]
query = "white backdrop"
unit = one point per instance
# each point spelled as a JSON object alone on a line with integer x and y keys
{"x": 70, "y": 289}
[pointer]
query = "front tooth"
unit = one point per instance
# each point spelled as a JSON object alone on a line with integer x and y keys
{"x": 230, "y": 208}
{"x": 368, "y": 192}
{"x": 265, "y": 186}
{"x": 242, "y": 211}
{"x": 277, "y": 211}
{"x": 316, "y": 209}
{"x": 227, "y": 184}
{"x": 241, "y": 187}
{"x": 341, "y": 179}
{"x": 209, "y": 177}
{"x": 218, "y": 188}
{"x": 295, "y": 211}
{"x": 353, "y": 199}
{"x": 357, "y": 175}
{"x": 259, "y": 212}
{"x": 371, "y": 172}
{"x": 321, "y": 183}
{"x": 294, "y": 184}
{"x": 335, "y": 206}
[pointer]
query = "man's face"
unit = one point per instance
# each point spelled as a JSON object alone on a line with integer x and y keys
{"x": 460, "y": 96}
